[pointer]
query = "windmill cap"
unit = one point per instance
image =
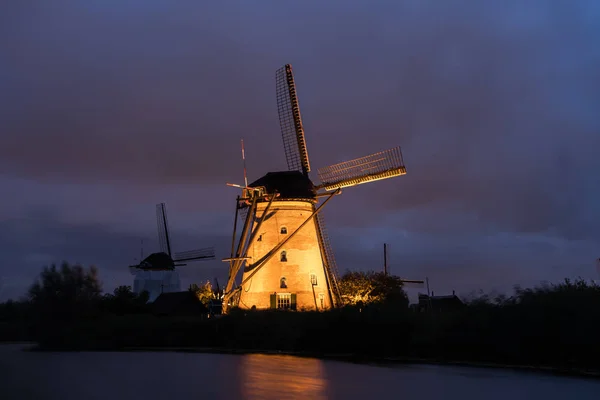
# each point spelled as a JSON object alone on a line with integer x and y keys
{"x": 289, "y": 185}
{"x": 157, "y": 261}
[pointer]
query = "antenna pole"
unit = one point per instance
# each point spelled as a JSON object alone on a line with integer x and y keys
{"x": 244, "y": 161}
{"x": 385, "y": 266}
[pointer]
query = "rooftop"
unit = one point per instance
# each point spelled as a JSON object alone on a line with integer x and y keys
{"x": 156, "y": 262}
{"x": 289, "y": 185}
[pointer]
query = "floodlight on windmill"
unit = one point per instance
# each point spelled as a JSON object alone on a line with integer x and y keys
{"x": 283, "y": 249}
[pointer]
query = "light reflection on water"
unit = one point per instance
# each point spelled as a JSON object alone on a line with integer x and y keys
{"x": 170, "y": 375}
{"x": 282, "y": 377}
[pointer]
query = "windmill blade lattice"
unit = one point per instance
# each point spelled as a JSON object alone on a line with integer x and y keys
{"x": 330, "y": 264}
{"x": 163, "y": 228}
{"x": 200, "y": 254}
{"x": 292, "y": 131}
{"x": 382, "y": 165}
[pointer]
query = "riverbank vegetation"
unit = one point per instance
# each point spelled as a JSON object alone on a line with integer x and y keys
{"x": 554, "y": 325}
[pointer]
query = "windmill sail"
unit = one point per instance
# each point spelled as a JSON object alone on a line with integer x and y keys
{"x": 382, "y": 165}
{"x": 238, "y": 257}
{"x": 191, "y": 255}
{"x": 163, "y": 228}
{"x": 329, "y": 260}
{"x": 292, "y": 131}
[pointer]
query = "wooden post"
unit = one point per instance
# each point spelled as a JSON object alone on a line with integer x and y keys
{"x": 385, "y": 269}
{"x": 428, "y": 293}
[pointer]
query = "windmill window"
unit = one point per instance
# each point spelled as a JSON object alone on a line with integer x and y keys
{"x": 259, "y": 238}
{"x": 313, "y": 279}
{"x": 322, "y": 300}
{"x": 284, "y": 301}
{"x": 283, "y": 230}
{"x": 282, "y": 283}
{"x": 283, "y": 256}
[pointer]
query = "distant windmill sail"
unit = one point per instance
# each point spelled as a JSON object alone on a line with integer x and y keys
{"x": 200, "y": 254}
{"x": 163, "y": 228}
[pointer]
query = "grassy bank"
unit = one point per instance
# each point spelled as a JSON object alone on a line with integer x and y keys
{"x": 555, "y": 326}
{"x": 477, "y": 334}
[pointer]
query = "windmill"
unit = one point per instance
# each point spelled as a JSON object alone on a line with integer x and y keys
{"x": 156, "y": 273}
{"x": 283, "y": 249}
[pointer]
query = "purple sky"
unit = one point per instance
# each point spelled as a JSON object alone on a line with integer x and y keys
{"x": 107, "y": 108}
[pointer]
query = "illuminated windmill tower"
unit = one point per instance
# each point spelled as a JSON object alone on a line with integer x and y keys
{"x": 283, "y": 249}
{"x": 156, "y": 273}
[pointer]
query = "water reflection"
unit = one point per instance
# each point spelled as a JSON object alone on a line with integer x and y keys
{"x": 163, "y": 375}
{"x": 282, "y": 377}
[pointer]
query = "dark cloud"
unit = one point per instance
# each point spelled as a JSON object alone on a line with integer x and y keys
{"x": 495, "y": 106}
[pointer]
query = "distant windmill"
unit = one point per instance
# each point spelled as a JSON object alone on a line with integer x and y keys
{"x": 156, "y": 273}
{"x": 283, "y": 249}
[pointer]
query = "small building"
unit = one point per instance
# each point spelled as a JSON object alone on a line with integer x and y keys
{"x": 178, "y": 303}
{"x": 215, "y": 306}
{"x": 439, "y": 303}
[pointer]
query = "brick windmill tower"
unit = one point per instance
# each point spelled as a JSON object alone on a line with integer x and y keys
{"x": 283, "y": 250}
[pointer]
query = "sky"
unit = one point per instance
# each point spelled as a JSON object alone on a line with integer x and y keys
{"x": 110, "y": 107}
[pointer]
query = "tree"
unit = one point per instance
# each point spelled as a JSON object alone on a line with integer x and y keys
{"x": 371, "y": 287}
{"x": 205, "y": 292}
{"x": 125, "y": 301}
{"x": 356, "y": 287}
{"x": 66, "y": 292}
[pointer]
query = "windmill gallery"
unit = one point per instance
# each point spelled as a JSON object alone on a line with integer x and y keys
{"x": 282, "y": 249}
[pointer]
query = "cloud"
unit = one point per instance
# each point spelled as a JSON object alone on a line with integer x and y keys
{"x": 108, "y": 109}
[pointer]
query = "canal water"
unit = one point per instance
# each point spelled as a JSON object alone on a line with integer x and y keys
{"x": 164, "y": 375}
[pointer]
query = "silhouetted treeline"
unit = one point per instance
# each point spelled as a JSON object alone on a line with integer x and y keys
{"x": 551, "y": 325}
{"x": 62, "y": 297}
